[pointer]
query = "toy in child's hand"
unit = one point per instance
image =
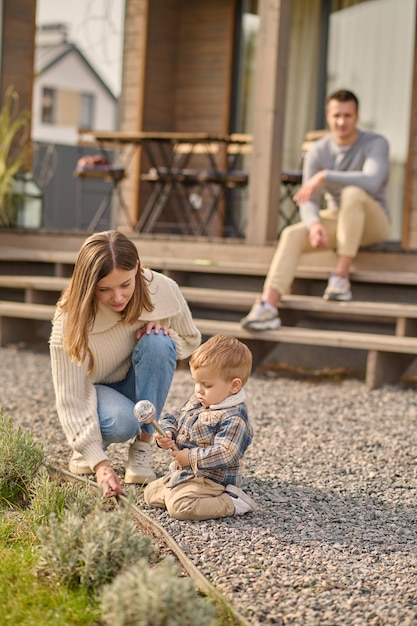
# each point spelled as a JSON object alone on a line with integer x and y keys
{"x": 144, "y": 412}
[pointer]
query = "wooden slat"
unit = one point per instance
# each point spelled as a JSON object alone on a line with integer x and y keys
{"x": 308, "y": 336}
{"x": 241, "y": 300}
{"x": 388, "y": 355}
{"x": 42, "y": 283}
{"x": 26, "y": 311}
{"x": 237, "y": 300}
{"x": 32, "y": 254}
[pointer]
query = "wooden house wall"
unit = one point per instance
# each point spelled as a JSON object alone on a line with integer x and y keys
{"x": 18, "y": 47}
{"x": 177, "y": 72}
{"x": 409, "y": 240}
{"x": 18, "y": 50}
{"x": 177, "y": 76}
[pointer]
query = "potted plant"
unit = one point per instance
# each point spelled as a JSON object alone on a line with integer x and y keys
{"x": 14, "y": 129}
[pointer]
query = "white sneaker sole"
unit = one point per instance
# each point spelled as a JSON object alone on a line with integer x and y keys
{"x": 242, "y": 495}
{"x": 341, "y": 297}
{"x": 269, "y": 325}
{"x": 131, "y": 478}
{"x": 79, "y": 470}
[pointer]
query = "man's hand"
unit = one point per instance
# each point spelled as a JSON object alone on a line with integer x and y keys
{"x": 108, "y": 480}
{"x": 309, "y": 188}
{"x": 318, "y": 236}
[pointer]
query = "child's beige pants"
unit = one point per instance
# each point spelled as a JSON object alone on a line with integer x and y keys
{"x": 196, "y": 499}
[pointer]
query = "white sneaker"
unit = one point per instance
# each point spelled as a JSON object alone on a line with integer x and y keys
{"x": 78, "y": 465}
{"x": 338, "y": 288}
{"x": 139, "y": 463}
{"x": 262, "y": 316}
{"x": 241, "y": 501}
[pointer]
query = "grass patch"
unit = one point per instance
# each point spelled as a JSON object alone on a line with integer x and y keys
{"x": 27, "y": 600}
{"x": 65, "y": 552}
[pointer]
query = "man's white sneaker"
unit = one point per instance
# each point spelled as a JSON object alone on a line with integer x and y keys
{"x": 139, "y": 463}
{"x": 78, "y": 465}
{"x": 338, "y": 288}
{"x": 241, "y": 501}
{"x": 262, "y": 316}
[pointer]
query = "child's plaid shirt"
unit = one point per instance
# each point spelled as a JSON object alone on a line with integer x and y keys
{"x": 217, "y": 438}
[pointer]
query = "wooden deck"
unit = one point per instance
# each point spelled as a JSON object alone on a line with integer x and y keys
{"x": 220, "y": 281}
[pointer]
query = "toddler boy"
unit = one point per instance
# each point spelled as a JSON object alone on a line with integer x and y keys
{"x": 212, "y": 432}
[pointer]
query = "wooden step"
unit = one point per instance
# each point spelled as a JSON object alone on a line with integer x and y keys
{"x": 234, "y": 258}
{"x": 33, "y": 288}
{"x": 243, "y": 300}
{"x": 315, "y": 337}
{"x": 14, "y": 326}
{"x": 388, "y": 355}
{"x": 26, "y": 310}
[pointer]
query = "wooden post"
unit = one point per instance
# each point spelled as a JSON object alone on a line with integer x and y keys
{"x": 268, "y": 127}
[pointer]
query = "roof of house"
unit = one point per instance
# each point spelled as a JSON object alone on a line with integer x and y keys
{"x": 48, "y": 55}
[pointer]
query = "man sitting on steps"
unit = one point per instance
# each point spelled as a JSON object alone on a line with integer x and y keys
{"x": 351, "y": 168}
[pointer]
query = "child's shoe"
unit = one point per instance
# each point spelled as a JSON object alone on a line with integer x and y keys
{"x": 241, "y": 501}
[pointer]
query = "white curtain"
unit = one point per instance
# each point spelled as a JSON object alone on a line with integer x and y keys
{"x": 302, "y": 78}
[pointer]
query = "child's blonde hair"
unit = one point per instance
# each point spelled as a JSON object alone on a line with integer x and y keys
{"x": 227, "y": 356}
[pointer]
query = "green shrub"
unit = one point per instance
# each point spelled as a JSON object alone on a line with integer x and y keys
{"x": 14, "y": 129}
{"x": 49, "y": 495}
{"x": 20, "y": 460}
{"x": 142, "y": 596}
{"x": 90, "y": 552}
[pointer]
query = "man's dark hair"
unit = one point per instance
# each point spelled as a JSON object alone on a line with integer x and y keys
{"x": 343, "y": 95}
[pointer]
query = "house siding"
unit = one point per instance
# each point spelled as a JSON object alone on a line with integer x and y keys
{"x": 18, "y": 45}
{"x": 178, "y": 72}
{"x": 17, "y": 53}
{"x": 409, "y": 240}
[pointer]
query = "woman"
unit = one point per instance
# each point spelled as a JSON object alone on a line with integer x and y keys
{"x": 117, "y": 333}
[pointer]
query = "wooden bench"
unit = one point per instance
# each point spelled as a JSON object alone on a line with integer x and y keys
{"x": 14, "y": 317}
{"x": 33, "y": 289}
{"x": 388, "y": 356}
{"x": 221, "y": 281}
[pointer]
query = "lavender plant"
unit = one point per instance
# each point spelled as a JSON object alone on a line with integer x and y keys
{"x": 144, "y": 596}
{"x": 90, "y": 552}
{"x": 49, "y": 495}
{"x": 20, "y": 460}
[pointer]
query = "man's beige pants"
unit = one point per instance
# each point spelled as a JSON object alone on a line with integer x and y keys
{"x": 197, "y": 499}
{"x": 361, "y": 221}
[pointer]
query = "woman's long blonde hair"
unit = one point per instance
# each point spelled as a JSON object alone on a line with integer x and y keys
{"x": 99, "y": 255}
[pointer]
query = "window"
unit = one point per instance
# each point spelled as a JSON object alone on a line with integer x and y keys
{"x": 87, "y": 110}
{"x": 48, "y": 112}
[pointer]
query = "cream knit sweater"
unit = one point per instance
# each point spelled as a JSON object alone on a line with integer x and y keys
{"x": 111, "y": 343}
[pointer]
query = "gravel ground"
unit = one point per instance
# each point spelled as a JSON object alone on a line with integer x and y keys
{"x": 333, "y": 468}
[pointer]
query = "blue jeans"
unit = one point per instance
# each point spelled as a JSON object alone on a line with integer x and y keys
{"x": 149, "y": 378}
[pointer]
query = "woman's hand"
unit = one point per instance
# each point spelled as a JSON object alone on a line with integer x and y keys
{"x": 108, "y": 480}
{"x": 152, "y": 326}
